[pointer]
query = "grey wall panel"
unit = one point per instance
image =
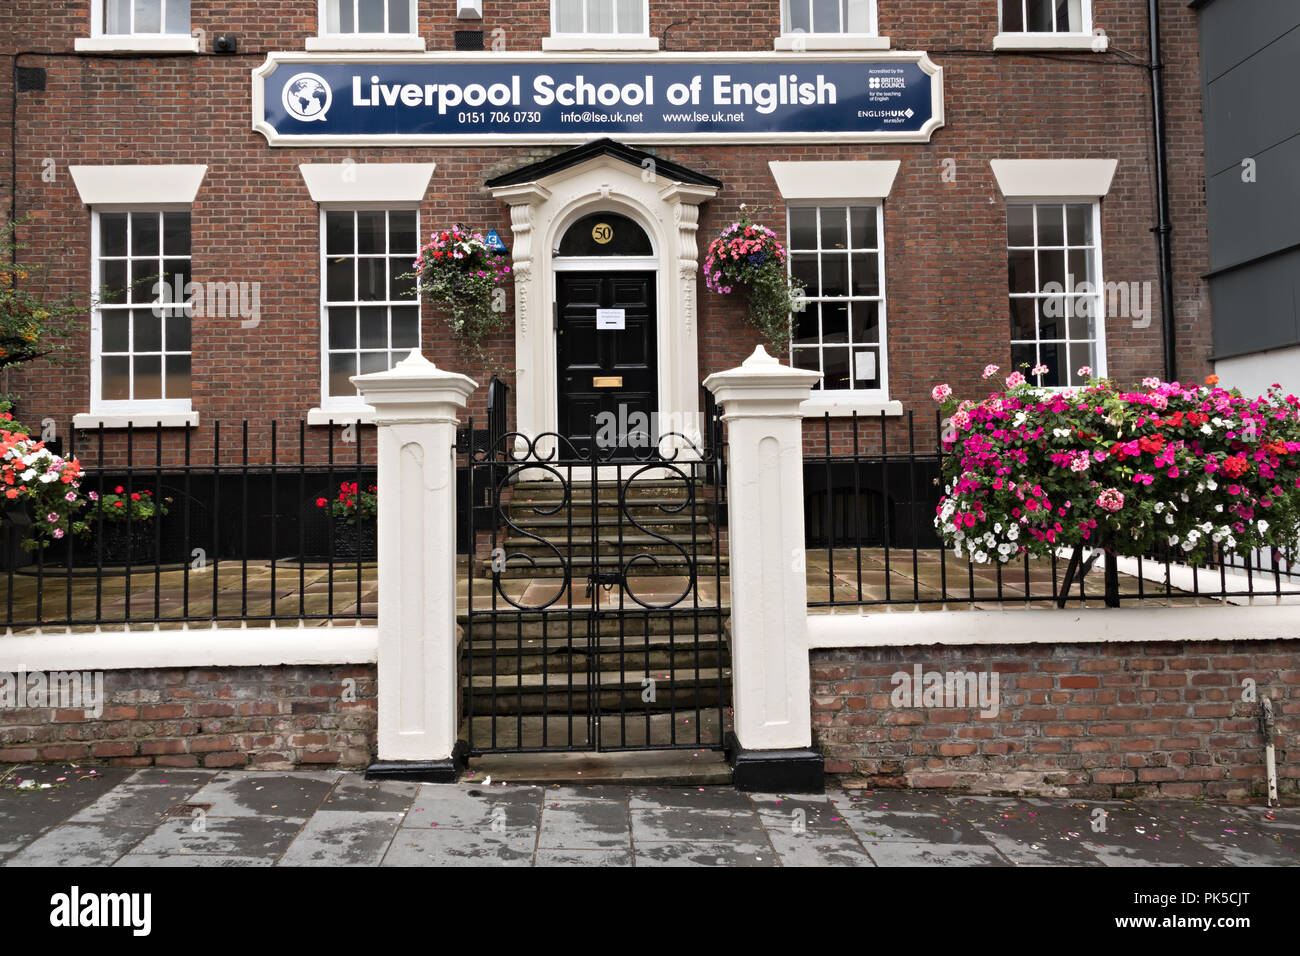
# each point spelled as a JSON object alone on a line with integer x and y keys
{"x": 1254, "y": 106}
{"x": 1249, "y": 220}
{"x": 1255, "y": 307}
{"x": 1232, "y": 30}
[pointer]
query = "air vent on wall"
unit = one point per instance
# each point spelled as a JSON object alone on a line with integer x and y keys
{"x": 469, "y": 39}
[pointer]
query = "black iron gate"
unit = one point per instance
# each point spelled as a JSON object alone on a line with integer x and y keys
{"x": 596, "y": 605}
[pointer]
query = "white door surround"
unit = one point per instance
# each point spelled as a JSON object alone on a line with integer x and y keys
{"x": 668, "y": 210}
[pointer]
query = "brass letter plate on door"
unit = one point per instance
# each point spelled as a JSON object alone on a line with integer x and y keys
{"x": 607, "y": 381}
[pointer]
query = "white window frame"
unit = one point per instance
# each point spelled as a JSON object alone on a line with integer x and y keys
{"x": 800, "y": 39}
{"x": 1083, "y": 39}
{"x": 167, "y": 411}
{"x": 1099, "y": 305}
{"x": 848, "y": 400}
{"x": 101, "y": 42}
{"x": 407, "y": 40}
{"x": 332, "y": 405}
{"x": 640, "y": 40}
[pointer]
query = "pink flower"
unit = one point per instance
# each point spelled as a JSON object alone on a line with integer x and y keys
{"x": 990, "y": 371}
{"x": 1015, "y": 379}
{"x": 1085, "y": 371}
{"x": 1039, "y": 370}
{"x": 58, "y": 532}
{"x": 940, "y": 392}
{"x": 1110, "y": 500}
{"x": 70, "y": 496}
{"x": 1142, "y": 479}
{"x": 52, "y": 517}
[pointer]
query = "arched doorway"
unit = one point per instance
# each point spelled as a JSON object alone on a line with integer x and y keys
{"x": 606, "y": 343}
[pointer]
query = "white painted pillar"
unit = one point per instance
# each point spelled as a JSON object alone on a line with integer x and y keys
{"x": 416, "y": 413}
{"x": 769, "y": 600}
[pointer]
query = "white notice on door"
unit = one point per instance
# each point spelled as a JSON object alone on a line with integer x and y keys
{"x": 611, "y": 319}
{"x": 866, "y": 366}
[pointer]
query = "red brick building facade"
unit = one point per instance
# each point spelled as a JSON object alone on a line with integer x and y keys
{"x": 1063, "y": 95}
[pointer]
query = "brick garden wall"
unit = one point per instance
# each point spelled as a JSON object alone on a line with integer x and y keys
{"x": 261, "y": 718}
{"x": 254, "y": 220}
{"x": 1095, "y": 720}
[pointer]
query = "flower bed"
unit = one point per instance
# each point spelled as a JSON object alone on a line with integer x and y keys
{"x": 1198, "y": 469}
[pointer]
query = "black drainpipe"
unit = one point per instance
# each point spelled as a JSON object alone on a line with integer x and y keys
{"x": 1164, "y": 228}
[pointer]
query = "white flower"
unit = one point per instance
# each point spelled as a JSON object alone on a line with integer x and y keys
{"x": 1169, "y": 519}
{"x": 980, "y": 557}
{"x": 997, "y": 526}
{"x": 49, "y": 476}
{"x": 1159, "y": 507}
{"x": 1218, "y": 508}
{"x": 1207, "y": 430}
{"x": 1061, "y": 432}
{"x": 1173, "y": 539}
{"x": 1262, "y": 525}
{"x": 29, "y": 474}
{"x": 1211, "y": 484}
{"x": 1184, "y": 497}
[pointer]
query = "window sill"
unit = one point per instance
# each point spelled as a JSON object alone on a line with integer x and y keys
{"x": 363, "y": 43}
{"x": 341, "y": 417}
{"x": 828, "y": 41}
{"x": 844, "y": 407}
{"x": 1086, "y": 42}
{"x": 131, "y": 44}
{"x": 609, "y": 43}
{"x": 88, "y": 421}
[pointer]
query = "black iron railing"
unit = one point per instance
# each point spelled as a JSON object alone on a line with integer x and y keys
{"x": 239, "y": 534}
{"x": 871, "y": 492}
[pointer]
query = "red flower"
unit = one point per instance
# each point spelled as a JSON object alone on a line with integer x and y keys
{"x": 118, "y": 504}
{"x": 118, "y": 490}
{"x": 321, "y": 502}
{"x": 135, "y": 497}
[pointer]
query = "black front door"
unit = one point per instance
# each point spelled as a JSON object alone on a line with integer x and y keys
{"x": 609, "y": 375}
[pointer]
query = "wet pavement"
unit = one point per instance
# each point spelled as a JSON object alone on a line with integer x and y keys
{"x": 73, "y": 816}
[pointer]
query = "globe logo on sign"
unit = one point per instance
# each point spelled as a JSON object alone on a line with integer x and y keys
{"x": 307, "y": 97}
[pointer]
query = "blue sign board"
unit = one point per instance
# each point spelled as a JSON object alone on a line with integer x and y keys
{"x": 305, "y": 99}
{"x": 494, "y": 242}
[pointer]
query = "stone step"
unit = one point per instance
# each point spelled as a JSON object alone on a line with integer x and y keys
{"x": 678, "y": 620}
{"x": 697, "y": 731}
{"x": 639, "y": 508}
{"x": 611, "y": 692}
{"x": 626, "y": 545}
{"x": 546, "y": 564}
{"x": 687, "y": 768}
{"x": 561, "y": 656}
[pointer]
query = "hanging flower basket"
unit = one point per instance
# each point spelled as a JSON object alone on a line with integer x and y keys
{"x": 1193, "y": 469}
{"x": 749, "y": 258}
{"x": 457, "y": 270}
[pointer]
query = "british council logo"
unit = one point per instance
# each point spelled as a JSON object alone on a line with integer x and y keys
{"x": 307, "y": 97}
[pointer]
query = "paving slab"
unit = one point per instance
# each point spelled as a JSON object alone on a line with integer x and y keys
{"x": 1230, "y": 837}
{"x": 459, "y": 807}
{"x": 1043, "y": 834}
{"x": 344, "y": 838}
{"x": 700, "y": 798}
{"x": 822, "y": 846}
{"x": 1136, "y": 835}
{"x": 673, "y": 824}
{"x": 780, "y": 811}
{"x": 354, "y": 792}
{"x": 585, "y": 825}
{"x": 697, "y": 853}
{"x": 444, "y": 846}
{"x": 906, "y": 853}
{"x": 78, "y": 844}
{"x": 25, "y": 814}
{"x": 571, "y": 857}
{"x": 251, "y": 793}
{"x": 194, "y": 859}
{"x": 261, "y": 837}
{"x": 136, "y": 804}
